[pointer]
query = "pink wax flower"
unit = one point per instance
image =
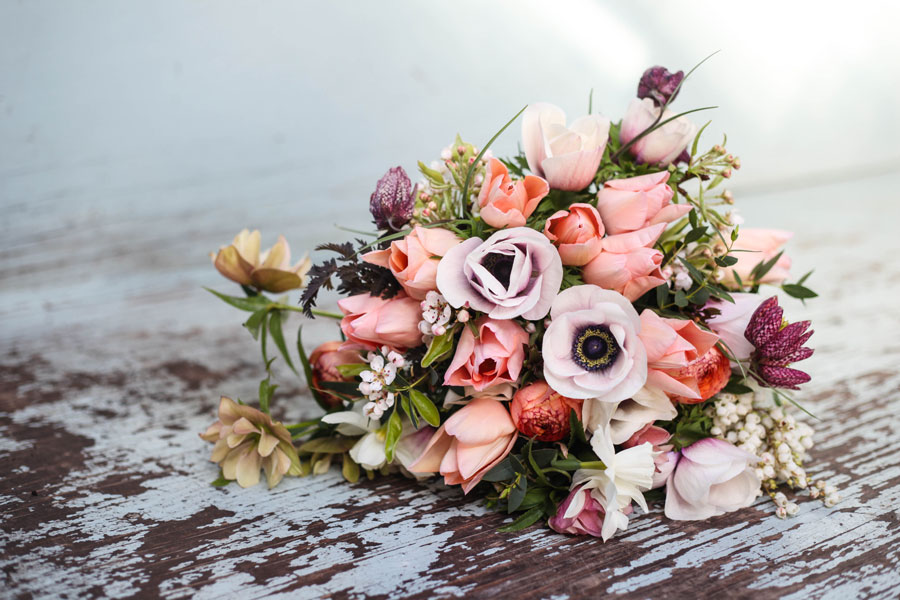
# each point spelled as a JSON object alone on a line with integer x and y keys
{"x": 671, "y": 345}
{"x": 514, "y": 273}
{"x": 711, "y": 477}
{"x": 637, "y": 202}
{"x": 469, "y": 443}
{"x": 505, "y": 203}
{"x": 414, "y": 259}
{"x": 628, "y": 263}
{"x": 663, "y": 145}
{"x": 540, "y": 412}
{"x": 759, "y": 245}
{"x": 370, "y": 322}
{"x": 495, "y": 357}
{"x": 577, "y": 233}
{"x": 567, "y": 157}
{"x": 732, "y": 321}
{"x": 776, "y": 346}
{"x": 591, "y": 348}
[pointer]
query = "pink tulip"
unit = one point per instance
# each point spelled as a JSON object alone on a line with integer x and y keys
{"x": 732, "y": 321}
{"x": 577, "y": 233}
{"x": 637, "y": 202}
{"x": 671, "y": 345}
{"x": 567, "y": 158}
{"x": 760, "y": 245}
{"x": 711, "y": 477}
{"x": 628, "y": 263}
{"x": 469, "y": 443}
{"x": 370, "y": 322}
{"x": 505, "y": 203}
{"x": 414, "y": 259}
{"x": 663, "y": 145}
{"x": 495, "y": 357}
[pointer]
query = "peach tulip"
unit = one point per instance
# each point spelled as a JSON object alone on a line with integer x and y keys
{"x": 505, "y": 203}
{"x": 414, "y": 259}
{"x": 671, "y": 345}
{"x": 637, "y": 202}
{"x": 370, "y": 322}
{"x": 628, "y": 263}
{"x": 577, "y": 233}
{"x": 469, "y": 443}
{"x": 494, "y": 358}
{"x": 759, "y": 245}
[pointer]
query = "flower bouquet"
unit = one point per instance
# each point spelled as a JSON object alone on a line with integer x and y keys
{"x": 570, "y": 331}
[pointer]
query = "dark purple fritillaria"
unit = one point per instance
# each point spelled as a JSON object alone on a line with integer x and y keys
{"x": 777, "y": 346}
{"x": 658, "y": 84}
{"x": 392, "y": 201}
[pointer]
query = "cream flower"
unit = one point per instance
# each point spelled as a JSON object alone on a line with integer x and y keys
{"x": 627, "y": 417}
{"x": 369, "y": 451}
{"x": 271, "y": 271}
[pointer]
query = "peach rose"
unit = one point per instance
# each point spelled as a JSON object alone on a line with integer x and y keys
{"x": 539, "y": 411}
{"x": 469, "y": 443}
{"x": 577, "y": 233}
{"x": 325, "y": 361}
{"x": 760, "y": 245}
{"x": 628, "y": 263}
{"x": 495, "y": 357}
{"x": 505, "y": 203}
{"x": 637, "y": 202}
{"x": 370, "y": 321}
{"x": 414, "y": 259}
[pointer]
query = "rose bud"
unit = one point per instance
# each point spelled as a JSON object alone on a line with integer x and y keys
{"x": 325, "y": 361}
{"x": 658, "y": 84}
{"x": 708, "y": 374}
{"x": 537, "y": 411}
{"x": 392, "y": 201}
{"x": 577, "y": 233}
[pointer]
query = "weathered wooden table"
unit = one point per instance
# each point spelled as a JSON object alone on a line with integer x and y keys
{"x": 113, "y": 360}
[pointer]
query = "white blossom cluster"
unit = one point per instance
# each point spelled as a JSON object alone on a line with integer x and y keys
{"x": 425, "y": 190}
{"x": 753, "y": 422}
{"x": 437, "y": 315}
{"x": 381, "y": 373}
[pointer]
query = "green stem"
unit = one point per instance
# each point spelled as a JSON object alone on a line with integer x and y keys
{"x": 593, "y": 464}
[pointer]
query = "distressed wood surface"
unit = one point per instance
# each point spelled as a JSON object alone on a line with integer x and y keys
{"x": 115, "y": 363}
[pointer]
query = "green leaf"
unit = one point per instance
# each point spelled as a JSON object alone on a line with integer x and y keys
{"x": 425, "y": 407}
{"x": 544, "y": 456}
{"x": 804, "y": 278}
{"x": 394, "y": 429}
{"x": 255, "y": 321}
{"x": 352, "y": 369}
{"x": 526, "y": 519}
{"x": 576, "y": 427}
{"x": 251, "y": 304}
{"x": 220, "y": 481}
{"x": 307, "y": 371}
{"x": 275, "y": 321}
{"x": 350, "y": 469}
{"x": 440, "y": 348}
{"x": 798, "y": 291}
{"x": 566, "y": 464}
{"x": 697, "y": 139}
{"x": 432, "y": 175}
{"x": 695, "y": 234}
{"x": 737, "y": 388}
{"x": 761, "y": 269}
{"x": 517, "y": 495}
{"x": 328, "y": 445}
{"x": 726, "y": 261}
{"x": 266, "y": 389}
{"x": 503, "y": 471}
{"x": 263, "y": 336}
{"x": 700, "y": 297}
{"x": 534, "y": 466}
{"x": 471, "y": 171}
{"x": 681, "y": 299}
{"x": 696, "y": 274}
{"x": 662, "y": 293}
{"x": 720, "y": 293}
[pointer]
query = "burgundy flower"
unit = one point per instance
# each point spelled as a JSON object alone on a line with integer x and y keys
{"x": 658, "y": 84}
{"x": 776, "y": 346}
{"x": 392, "y": 201}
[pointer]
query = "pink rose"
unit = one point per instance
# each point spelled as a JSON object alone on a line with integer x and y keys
{"x": 567, "y": 157}
{"x": 761, "y": 245}
{"x": 662, "y": 146}
{"x": 711, "y": 477}
{"x": 507, "y": 204}
{"x": 628, "y": 263}
{"x": 732, "y": 321}
{"x": 538, "y": 411}
{"x": 495, "y": 357}
{"x": 469, "y": 443}
{"x": 414, "y": 259}
{"x": 577, "y": 233}
{"x": 671, "y": 345}
{"x": 637, "y": 202}
{"x": 370, "y": 321}
{"x": 514, "y": 273}
{"x": 325, "y": 361}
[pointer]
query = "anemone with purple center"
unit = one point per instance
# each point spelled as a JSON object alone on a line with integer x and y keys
{"x": 777, "y": 344}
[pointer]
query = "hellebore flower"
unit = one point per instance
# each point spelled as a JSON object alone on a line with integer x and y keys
{"x": 658, "y": 84}
{"x": 271, "y": 271}
{"x": 392, "y": 201}
{"x": 776, "y": 346}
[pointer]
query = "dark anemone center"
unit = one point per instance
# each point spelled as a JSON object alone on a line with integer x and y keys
{"x": 499, "y": 265}
{"x": 595, "y": 348}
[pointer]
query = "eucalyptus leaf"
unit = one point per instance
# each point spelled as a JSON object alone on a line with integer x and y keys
{"x": 425, "y": 407}
{"x": 502, "y": 471}
{"x": 517, "y": 495}
{"x": 798, "y": 291}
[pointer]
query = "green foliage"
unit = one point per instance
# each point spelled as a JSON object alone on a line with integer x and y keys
{"x": 689, "y": 426}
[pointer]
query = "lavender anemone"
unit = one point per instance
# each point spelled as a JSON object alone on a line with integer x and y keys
{"x": 777, "y": 345}
{"x": 392, "y": 201}
{"x": 658, "y": 84}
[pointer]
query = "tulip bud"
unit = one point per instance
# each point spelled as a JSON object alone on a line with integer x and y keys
{"x": 392, "y": 201}
{"x": 658, "y": 84}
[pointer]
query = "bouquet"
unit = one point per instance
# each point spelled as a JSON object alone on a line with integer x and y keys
{"x": 571, "y": 331}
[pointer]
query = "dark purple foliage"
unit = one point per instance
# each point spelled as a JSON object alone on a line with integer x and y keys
{"x": 658, "y": 84}
{"x": 392, "y": 201}
{"x": 777, "y": 346}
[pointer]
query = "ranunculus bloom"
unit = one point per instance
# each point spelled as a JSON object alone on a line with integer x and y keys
{"x": 663, "y": 145}
{"x": 247, "y": 440}
{"x": 538, "y": 411}
{"x": 514, "y": 273}
{"x": 732, "y": 320}
{"x": 567, "y": 157}
{"x": 637, "y": 202}
{"x": 591, "y": 347}
{"x": 628, "y": 263}
{"x": 505, "y": 203}
{"x": 711, "y": 477}
{"x": 370, "y": 322}
{"x": 469, "y": 443}
{"x": 577, "y": 233}
{"x": 271, "y": 271}
{"x": 671, "y": 345}
{"x": 495, "y": 357}
{"x": 759, "y": 245}
{"x": 708, "y": 374}
{"x": 625, "y": 418}
{"x": 414, "y": 259}
{"x": 324, "y": 361}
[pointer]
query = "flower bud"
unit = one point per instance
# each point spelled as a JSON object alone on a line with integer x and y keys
{"x": 392, "y": 201}
{"x": 658, "y": 84}
{"x": 324, "y": 362}
{"x": 540, "y": 412}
